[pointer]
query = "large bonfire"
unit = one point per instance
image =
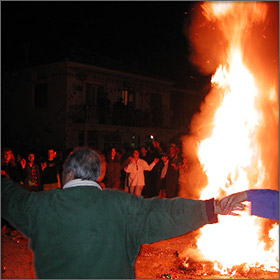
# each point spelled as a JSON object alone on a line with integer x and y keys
{"x": 234, "y": 143}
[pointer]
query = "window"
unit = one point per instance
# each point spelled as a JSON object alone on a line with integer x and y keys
{"x": 93, "y": 92}
{"x": 91, "y": 95}
{"x": 128, "y": 97}
{"x": 177, "y": 109}
{"x": 94, "y": 97}
{"x": 41, "y": 96}
{"x": 156, "y": 103}
{"x": 125, "y": 97}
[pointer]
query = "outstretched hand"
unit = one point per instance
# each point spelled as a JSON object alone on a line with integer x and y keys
{"x": 228, "y": 204}
{"x": 23, "y": 163}
{"x": 156, "y": 160}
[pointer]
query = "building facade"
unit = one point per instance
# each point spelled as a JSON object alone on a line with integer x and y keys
{"x": 67, "y": 104}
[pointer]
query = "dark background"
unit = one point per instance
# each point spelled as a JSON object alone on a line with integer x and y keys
{"x": 147, "y": 35}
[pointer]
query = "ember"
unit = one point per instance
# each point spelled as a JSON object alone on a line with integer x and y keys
{"x": 208, "y": 268}
{"x": 198, "y": 268}
{"x": 3, "y": 269}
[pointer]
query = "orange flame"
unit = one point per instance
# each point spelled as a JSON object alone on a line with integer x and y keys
{"x": 229, "y": 151}
{"x": 228, "y": 157}
{"x": 231, "y": 156}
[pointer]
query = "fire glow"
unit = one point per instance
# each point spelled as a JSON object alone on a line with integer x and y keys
{"x": 232, "y": 155}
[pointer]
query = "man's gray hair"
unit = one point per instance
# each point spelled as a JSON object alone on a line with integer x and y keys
{"x": 84, "y": 162}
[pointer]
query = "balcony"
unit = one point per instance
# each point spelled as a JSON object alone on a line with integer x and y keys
{"x": 118, "y": 114}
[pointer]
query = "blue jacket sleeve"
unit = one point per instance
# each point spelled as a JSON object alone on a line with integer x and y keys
{"x": 264, "y": 203}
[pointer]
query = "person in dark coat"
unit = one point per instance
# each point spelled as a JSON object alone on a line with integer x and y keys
{"x": 172, "y": 176}
{"x": 11, "y": 170}
{"x": 147, "y": 156}
{"x": 154, "y": 175}
{"x": 50, "y": 172}
{"x": 113, "y": 170}
{"x": 32, "y": 173}
{"x": 10, "y": 167}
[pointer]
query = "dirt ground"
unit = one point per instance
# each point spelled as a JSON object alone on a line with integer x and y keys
{"x": 159, "y": 260}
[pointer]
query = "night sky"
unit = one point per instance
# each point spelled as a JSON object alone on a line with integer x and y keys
{"x": 147, "y": 35}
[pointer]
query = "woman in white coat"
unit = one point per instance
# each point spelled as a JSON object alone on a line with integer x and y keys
{"x": 136, "y": 168}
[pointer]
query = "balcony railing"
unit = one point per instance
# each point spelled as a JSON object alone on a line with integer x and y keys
{"x": 122, "y": 115}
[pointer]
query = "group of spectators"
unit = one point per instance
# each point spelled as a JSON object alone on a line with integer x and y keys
{"x": 147, "y": 171}
{"x": 107, "y": 227}
{"x": 31, "y": 174}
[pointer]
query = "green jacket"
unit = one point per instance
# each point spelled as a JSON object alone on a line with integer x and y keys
{"x": 84, "y": 232}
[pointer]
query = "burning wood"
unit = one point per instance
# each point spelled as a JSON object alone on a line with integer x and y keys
{"x": 208, "y": 269}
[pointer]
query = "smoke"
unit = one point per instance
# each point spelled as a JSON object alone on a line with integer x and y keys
{"x": 208, "y": 50}
{"x": 260, "y": 46}
{"x": 200, "y": 128}
{"x": 208, "y": 43}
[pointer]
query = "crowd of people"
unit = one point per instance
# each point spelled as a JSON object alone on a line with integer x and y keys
{"x": 32, "y": 174}
{"x": 147, "y": 171}
{"x": 92, "y": 231}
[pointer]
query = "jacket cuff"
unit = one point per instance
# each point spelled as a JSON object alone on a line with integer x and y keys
{"x": 211, "y": 215}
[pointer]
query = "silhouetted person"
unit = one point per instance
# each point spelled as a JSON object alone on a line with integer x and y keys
{"x": 113, "y": 171}
{"x": 50, "y": 172}
{"x": 32, "y": 173}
